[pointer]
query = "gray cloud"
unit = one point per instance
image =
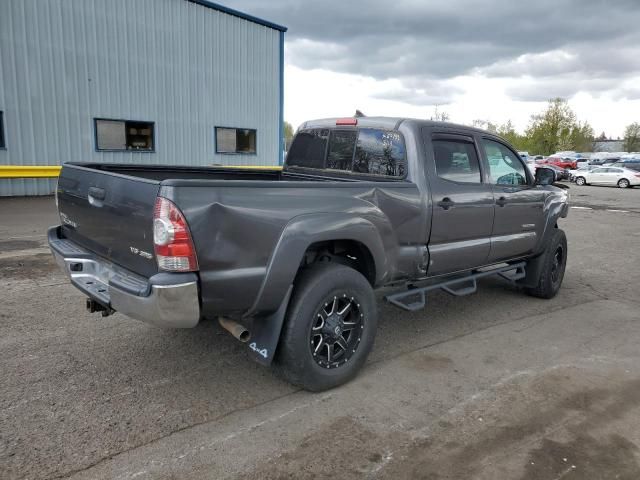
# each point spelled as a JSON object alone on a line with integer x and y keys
{"x": 557, "y": 43}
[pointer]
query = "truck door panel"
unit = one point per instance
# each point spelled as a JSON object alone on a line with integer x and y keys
{"x": 519, "y": 217}
{"x": 463, "y": 204}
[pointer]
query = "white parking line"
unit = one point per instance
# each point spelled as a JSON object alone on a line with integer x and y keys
{"x": 620, "y": 211}
{"x": 583, "y": 208}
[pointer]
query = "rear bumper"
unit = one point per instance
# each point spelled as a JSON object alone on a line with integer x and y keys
{"x": 167, "y": 300}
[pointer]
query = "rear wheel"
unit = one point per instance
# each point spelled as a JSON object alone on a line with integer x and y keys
{"x": 581, "y": 181}
{"x": 623, "y": 183}
{"x": 329, "y": 329}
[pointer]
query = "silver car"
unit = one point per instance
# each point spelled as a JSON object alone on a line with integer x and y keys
{"x": 622, "y": 177}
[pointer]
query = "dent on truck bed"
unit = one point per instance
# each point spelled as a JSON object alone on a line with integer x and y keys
{"x": 245, "y": 235}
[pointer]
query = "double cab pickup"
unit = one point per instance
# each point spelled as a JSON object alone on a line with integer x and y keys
{"x": 288, "y": 260}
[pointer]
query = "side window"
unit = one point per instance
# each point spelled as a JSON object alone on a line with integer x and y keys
{"x": 308, "y": 149}
{"x": 235, "y": 140}
{"x": 456, "y": 161}
{"x": 341, "y": 145}
{"x": 124, "y": 135}
{"x": 380, "y": 152}
{"x": 504, "y": 166}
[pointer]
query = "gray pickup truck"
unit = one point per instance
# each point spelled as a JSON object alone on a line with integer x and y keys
{"x": 288, "y": 261}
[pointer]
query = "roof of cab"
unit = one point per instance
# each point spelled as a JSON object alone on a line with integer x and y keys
{"x": 392, "y": 123}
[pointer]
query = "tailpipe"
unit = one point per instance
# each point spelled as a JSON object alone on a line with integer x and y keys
{"x": 235, "y": 329}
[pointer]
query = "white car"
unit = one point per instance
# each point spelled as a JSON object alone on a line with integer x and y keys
{"x": 622, "y": 177}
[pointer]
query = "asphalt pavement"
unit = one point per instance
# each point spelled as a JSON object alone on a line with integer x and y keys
{"x": 493, "y": 385}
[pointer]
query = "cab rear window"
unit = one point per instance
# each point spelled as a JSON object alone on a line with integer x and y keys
{"x": 365, "y": 151}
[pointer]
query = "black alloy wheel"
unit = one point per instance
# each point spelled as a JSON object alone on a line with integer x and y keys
{"x": 335, "y": 334}
{"x": 557, "y": 266}
{"x": 329, "y": 328}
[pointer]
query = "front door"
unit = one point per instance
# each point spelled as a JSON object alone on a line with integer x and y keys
{"x": 599, "y": 175}
{"x": 519, "y": 216}
{"x": 462, "y": 201}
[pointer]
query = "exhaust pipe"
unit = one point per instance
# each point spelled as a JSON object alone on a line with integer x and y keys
{"x": 235, "y": 329}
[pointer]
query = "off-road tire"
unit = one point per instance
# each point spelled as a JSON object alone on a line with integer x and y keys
{"x": 553, "y": 268}
{"x": 294, "y": 359}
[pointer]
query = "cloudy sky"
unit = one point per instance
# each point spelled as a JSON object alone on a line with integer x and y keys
{"x": 492, "y": 60}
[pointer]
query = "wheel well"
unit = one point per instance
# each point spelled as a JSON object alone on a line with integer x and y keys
{"x": 347, "y": 252}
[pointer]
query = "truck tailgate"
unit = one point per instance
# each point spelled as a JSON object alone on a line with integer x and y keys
{"x": 109, "y": 214}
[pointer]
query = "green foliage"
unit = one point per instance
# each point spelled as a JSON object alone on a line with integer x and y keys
{"x": 288, "y": 132}
{"x": 632, "y": 137}
{"x": 553, "y": 130}
{"x": 557, "y": 129}
{"x": 508, "y": 132}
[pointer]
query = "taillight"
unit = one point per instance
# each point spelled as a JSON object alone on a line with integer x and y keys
{"x": 171, "y": 238}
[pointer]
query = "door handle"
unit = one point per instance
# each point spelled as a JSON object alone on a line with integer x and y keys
{"x": 501, "y": 202}
{"x": 446, "y": 203}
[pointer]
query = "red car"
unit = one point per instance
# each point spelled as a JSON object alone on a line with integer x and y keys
{"x": 562, "y": 162}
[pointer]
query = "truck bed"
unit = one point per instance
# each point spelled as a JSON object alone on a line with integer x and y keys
{"x": 171, "y": 172}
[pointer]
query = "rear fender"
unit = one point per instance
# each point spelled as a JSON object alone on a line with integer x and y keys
{"x": 303, "y": 231}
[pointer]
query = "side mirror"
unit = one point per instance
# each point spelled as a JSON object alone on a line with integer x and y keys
{"x": 545, "y": 176}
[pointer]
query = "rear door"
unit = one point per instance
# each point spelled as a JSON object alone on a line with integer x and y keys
{"x": 109, "y": 214}
{"x": 613, "y": 175}
{"x": 463, "y": 203}
{"x": 519, "y": 216}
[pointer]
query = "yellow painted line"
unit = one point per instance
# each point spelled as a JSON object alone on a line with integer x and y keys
{"x": 24, "y": 171}
{"x": 52, "y": 171}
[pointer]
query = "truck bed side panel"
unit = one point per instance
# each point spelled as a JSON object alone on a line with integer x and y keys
{"x": 236, "y": 229}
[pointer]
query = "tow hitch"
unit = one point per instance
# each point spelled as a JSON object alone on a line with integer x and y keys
{"x": 94, "y": 307}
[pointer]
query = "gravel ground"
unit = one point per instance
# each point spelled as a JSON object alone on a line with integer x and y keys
{"x": 493, "y": 385}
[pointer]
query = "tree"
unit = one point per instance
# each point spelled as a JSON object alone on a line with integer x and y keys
{"x": 557, "y": 129}
{"x": 288, "y": 134}
{"x": 508, "y": 132}
{"x": 632, "y": 137}
{"x": 485, "y": 124}
{"x": 440, "y": 116}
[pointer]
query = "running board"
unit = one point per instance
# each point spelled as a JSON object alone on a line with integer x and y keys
{"x": 416, "y": 298}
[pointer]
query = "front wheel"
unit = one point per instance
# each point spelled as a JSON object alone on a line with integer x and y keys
{"x": 554, "y": 263}
{"x": 623, "y": 183}
{"x": 581, "y": 181}
{"x": 329, "y": 328}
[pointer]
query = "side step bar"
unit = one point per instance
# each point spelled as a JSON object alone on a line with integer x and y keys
{"x": 416, "y": 297}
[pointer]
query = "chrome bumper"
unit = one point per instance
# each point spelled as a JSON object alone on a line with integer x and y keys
{"x": 165, "y": 300}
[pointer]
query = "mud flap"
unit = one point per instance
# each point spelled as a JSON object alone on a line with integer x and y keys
{"x": 265, "y": 333}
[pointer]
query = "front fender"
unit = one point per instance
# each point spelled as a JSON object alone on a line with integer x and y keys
{"x": 556, "y": 206}
{"x": 299, "y": 234}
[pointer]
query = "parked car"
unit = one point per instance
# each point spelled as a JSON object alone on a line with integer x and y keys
{"x": 561, "y": 173}
{"x": 581, "y": 161}
{"x": 622, "y": 177}
{"x": 288, "y": 261}
{"x": 604, "y": 161}
{"x": 630, "y": 163}
{"x": 573, "y": 174}
{"x": 565, "y": 162}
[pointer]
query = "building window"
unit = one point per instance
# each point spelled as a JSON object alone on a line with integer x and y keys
{"x": 2, "y": 144}
{"x": 235, "y": 140}
{"x": 124, "y": 135}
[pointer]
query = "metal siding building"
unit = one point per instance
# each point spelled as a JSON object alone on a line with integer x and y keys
{"x": 187, "y": 66}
